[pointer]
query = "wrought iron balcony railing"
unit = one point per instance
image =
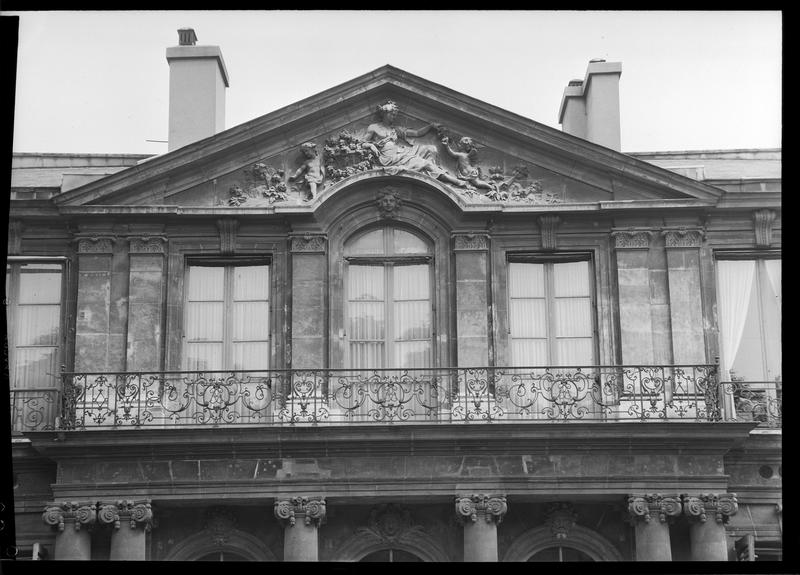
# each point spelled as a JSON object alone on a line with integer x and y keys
{"x": 447, "y": 395}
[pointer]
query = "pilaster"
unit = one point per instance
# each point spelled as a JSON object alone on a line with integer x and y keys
{"x": 145, "y": 302}
{"x": 472, "y": 298}
{"x": 308, "y": 305}
{"x": 685, "y": 294}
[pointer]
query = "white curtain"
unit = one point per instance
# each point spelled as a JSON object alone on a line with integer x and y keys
{"x": 773, "y": 268}
{"x": 735, "y": 285}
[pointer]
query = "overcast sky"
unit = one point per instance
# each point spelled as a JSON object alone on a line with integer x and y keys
{"x": 97, "y": 82}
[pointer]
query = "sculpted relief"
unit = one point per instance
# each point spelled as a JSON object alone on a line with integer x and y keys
{"x": 390, "y": 148}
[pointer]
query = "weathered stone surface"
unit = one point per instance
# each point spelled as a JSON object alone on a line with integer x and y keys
{"x": 225, "y": 469}
{"x": 685, "y": 291}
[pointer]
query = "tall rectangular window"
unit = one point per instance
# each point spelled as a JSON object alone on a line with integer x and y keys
{"x": 550, "y": 313}
{"x": 749, "y": 308}
{"x": 227, "y": 316}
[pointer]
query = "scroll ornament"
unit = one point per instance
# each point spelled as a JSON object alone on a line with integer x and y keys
{"x": 312, "y": 510}
{"x": 491, "y": 507}
{"x": 79, "y": 513}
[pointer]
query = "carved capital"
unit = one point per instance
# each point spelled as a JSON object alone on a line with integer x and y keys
{"x": 762, "y": 223}
{"x": 548, "y": 225}
{"x": 561, "y": 518}
{"x": 96, "y": 245}
{"x": 631, "y": 239}
{"x": 644, "y": 507}
{"x": 309, "y": 243}
{"x": 471, "y": 242}
{"x": 227, "y": 235}
{"x": 146, "y": 245}
{"x": 77, "y": 513}
{"x": 721, "y": 505}
{"x": 15, "y": 228}
{"x": 489, "y": 507}
{"x": 309, "y": 510}
{"x": 683, "y": 238}
{"x": 135, "y": 513}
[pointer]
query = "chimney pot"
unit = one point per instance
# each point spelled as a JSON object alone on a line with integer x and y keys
{"x": 575, "y": 83}
{"x": 187, "y": 37}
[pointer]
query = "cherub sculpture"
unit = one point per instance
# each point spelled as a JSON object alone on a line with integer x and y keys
{"x": 312, "y": 167}
{"x": 465, "y": 155}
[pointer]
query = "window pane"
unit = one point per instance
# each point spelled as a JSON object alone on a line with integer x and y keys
{"x": 412, "y": 320}
{"x": 251, "y": 283}
{"x": 408, "y": 243}
{"x": 367, "y": 320}
{"x": 370, "y": 243}
{"x": 528, "y": 318}
{"x": 35, "y": 367}
{"x": 575, "y": 351}
{"x": 204, "y": 356}
{"x": 250, "y": 320}
{"x": 410, "y": 354}
{"x": 366, "y": 283}
{"x": 529, "y": 352}
{"x": 204, "y": 321}
{"x": 412, "y": 282}
{"x": 571, "y": 279}
{"x": 525, "y": 280}
{"x": 205, "y": 283}
{"x": 366, "y": 355}
{"x": 40, "y": 283}
{"x": 749, "y": 361}
{"x": 573, "y": 317}
{"x": 251, "y": 355}
{"x": 37, "y": 325}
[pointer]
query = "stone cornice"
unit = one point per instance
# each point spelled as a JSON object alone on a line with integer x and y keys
{"x": 699, "y": 438}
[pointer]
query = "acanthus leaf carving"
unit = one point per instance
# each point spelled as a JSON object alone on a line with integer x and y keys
{"x": 146, "y": 245}
{"x": 308, "y": 243}
{"x": 632, "y": 239}
{"x": 96, "y": 244}
{"x": 471, "y": 242}
{"x": 683, "y": 238}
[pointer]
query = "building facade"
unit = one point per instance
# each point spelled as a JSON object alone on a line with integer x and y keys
{"x": 391, "y": 322}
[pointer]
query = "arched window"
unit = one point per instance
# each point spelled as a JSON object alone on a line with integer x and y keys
{"x": 391, "y": 555}
{"x": 388, "y": 300}
{"x": 559, "y": 554}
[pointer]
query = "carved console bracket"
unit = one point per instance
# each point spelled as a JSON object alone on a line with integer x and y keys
{"x": 643, "y": 507}
{"x": 684, "y": 238}
{"x": 561, "y": 518}
{"x": 96, "y": 244}
{"x": 471, "y": 242}
{"x": 227, "y": 235}
{"x": 146, "y": 244}
{"x": 632, "y": 239}
{"x": 489, "y": 507}
{"x": 548, "y": 225}
{"x": 309, "y": 510}
{"x": 762, "y": 223}
{"x": 136, "y": 513}
{"x": 308, "y": 243}
{"x": 722, "y": 505}
{"x": 15, "y": 228}
{"x": 77, "y": 513}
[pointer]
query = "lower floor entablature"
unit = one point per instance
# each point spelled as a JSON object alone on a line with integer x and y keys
{"x": 469, "y": 526}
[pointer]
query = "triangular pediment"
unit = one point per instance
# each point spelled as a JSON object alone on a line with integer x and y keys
{"x": 480, "y": 155}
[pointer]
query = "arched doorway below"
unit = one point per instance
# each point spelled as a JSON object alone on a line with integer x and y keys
{"x": 391, "y": 555}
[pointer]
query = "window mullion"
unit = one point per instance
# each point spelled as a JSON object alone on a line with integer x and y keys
{"x": 389, "y": 307}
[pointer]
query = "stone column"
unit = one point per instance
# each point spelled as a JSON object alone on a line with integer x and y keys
{"x": 472, "y": 299}
{"x": 685, "y": 295}
{"x": 74, "y": 521}
{"x": 131, "y": 521}
{"x": 480, "y": 515}
{"x": 708, "y": 515}
{"x": 309, "y": 275}
{"x": 650, "y": 514}
{"x": 301, "y": 518}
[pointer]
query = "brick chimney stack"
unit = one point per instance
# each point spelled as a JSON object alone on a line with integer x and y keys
{"x": 590, "y": 107}
{"x": 197, "y": 83}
